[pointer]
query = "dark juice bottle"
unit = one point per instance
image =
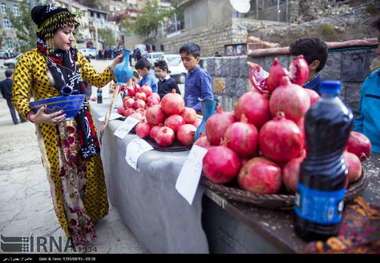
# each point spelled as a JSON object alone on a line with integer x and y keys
{"x": 321, "y": 187}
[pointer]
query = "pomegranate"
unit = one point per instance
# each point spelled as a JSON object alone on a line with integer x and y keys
{"x": 280, "y": 139}
{"x": 314, "y": 97}
{"x": 155, "y": 115}
{"x": 174, "y": 122}
{"x": 260, "y": 176}
{"x": 172, "y": 103}
{"x": 221, "y": 164}
{"x": 242, "y": 138}
{"x": 290, "y": 99}
{"x": 291, "y": 172}
{"x": 359, "y": 145}
{"x": 154, "y": 130}
{"x": 165, "y": 136}
{"x": 354, "y": 166}
{"x": 128, "y": 112}
{"x": 141, "y": 96}
{"x": 185, "y": 134}
{"x": 139, "y": 104}
{"x": 153, "y": 99}
{"x": 131, "y": 91}
{"x": 147, "y": 90}
{"x": 142, "y": 129}
{"x": 203, "y": 142}
{"x": 120, "y": 110}
{"x": 138, "y": 115}
{"x": 299, "y": 70}
{"x": 128, "y": 102}
{"x": 217, "y": 124}
{"x": 189, "y": 115}
{"x": 255, "y": 106}
{"x": 276, "y": 73}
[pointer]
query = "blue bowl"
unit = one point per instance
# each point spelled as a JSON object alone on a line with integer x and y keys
{"x": 69, "y": 104}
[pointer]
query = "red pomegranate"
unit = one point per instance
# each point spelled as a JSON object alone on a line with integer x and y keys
{"x": 221, "y": 164}
{"x": 154, "y": 130}
{"x": 174, "y": 122}
{"x": 153, "y": 99}
{"x": 147, "y": 90}
{"x": 142, "y": 129}
{"x": 185, "y": 134}
{"x": 354, "y": 166}
{"x": 203, "y": 142}
{"x": 217, "y": 124}
{"x": 290, "y": 99}
{"x": 299, "y": 70}
{"x": 189, "y": 115}
{"x": 359, "y": 145}
{"x": 242, "y": 138}
{"x": 131, "y": 91}
{"x": 128, "y": 112}
{"x": 291, "y": 172}
{"x": 260, "y": 176}
{"x": 141, "y": 96}
{"x": 276, "y": 72}
{"x": 165, "y": 136}
{"x": 155, "y": 115}
{"x": 128, "y": 102}
{"x": 139, "y": 104}
{"x": 172, "y": 103}
{"x": 314, "y": 97}
{"x": 255, "y": 106}
{"x": 138, "y": 115}
{"x": 280, "y": 139}
{"x": 120, "y": 110}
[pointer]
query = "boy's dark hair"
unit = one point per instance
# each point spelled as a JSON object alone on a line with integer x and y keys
{"x": 162, "y": 65}
{"x": 143, "y": 63}
{"x": 311, "y": 49}
{"x": 191, "y": 49}
{"x": 376, "y": 24}
{"x": 8, "y": 73}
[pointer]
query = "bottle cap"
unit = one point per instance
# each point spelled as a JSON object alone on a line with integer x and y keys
{"x": 331, "y": 87}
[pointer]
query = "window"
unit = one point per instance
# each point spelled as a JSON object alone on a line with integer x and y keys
{"x": 3, "y": 8}
{"x": 7, "y": 23}
{"x": 16, "y": 10}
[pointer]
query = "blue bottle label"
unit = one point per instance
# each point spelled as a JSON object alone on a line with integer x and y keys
{"x": 319, "y": 207}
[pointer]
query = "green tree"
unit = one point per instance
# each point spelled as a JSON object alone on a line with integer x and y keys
{"x": 149, "y": 20}
{"x": 107, "y": 37}
{"x": 24, "y": 27}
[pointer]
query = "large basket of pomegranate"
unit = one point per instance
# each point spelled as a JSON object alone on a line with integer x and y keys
{"x": 165, "y": 124}
{"x": 254, "y": 153}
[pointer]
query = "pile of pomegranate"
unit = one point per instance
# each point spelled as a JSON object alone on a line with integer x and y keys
{"x": 165, "y": 121}
{"x": 261, "y": 144}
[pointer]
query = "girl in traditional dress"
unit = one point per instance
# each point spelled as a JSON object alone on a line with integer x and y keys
{"x": 70, "y": 149}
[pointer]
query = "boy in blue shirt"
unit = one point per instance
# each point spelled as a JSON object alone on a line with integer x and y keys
{"x": 368, "y": 121}
{"x": 315, "y": 52}
{"x": 147, "y": 77}
{"x": 198, "y": 83}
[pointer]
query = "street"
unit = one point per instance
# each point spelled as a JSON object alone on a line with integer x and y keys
{"x": 26, "y": 207}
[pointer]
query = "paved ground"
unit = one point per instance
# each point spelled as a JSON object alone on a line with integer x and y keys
{"x": 25, "y": 201}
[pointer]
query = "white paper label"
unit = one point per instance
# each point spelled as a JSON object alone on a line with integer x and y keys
{"x": 188, "y": 179}
{"x": 114, "y": 116}
{"x": 135, "y": 149}
{"x": 126, "y": 127}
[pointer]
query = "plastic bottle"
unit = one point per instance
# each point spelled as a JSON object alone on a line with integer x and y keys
{"x": 323, "y": 173}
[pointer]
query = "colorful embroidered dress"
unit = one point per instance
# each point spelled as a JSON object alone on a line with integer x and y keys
{"x": 76, "y": 179}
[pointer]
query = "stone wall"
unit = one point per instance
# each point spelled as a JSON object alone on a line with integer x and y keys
{"x": 351, "y": 66}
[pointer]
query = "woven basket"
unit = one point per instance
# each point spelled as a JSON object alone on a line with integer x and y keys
{"x": 275, "y": 201}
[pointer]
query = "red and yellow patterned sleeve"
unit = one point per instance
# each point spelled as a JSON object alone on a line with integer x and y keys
{"x": 90, "y": 75}
{"x": 22, "y": 84}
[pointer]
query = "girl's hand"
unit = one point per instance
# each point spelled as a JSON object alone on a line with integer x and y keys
{"x": 117, "y": 60}
{"x": 41, "y": 117}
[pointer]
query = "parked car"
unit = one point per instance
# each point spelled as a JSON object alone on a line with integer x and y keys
{"x": 11, "y": 62}
{"x": 176, "y": 67}
{"x": 153, "y": 57}
{"x": 89, "y": 52}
